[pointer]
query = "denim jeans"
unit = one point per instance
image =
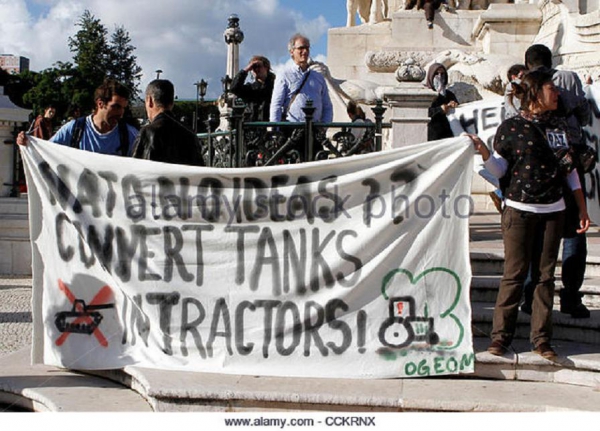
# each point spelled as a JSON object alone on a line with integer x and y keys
{"x": 520, "y": 251}
{"x": 574, "y": 254}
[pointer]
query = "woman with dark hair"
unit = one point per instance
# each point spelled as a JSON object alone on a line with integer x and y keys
{"x": 439, "y": 126}
{"x": 42, "y": 126}
{"x": 531, "y": 160}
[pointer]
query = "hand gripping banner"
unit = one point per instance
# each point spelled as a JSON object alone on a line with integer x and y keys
{"x": 357, "y": 267}
{"x": 483, "y": 118}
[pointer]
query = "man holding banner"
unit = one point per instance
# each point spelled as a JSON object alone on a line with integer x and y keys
{"x": 102, "y": 132}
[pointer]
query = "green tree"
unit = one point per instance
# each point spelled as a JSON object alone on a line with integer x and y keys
{"x": 67, "y": 83}
{"x": 16, "y": 85}
{"x": 49, "y": 87}
{"x": 91, "y": 56}
{"x": 122, "y": 64}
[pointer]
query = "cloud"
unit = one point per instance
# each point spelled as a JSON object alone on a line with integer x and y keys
{"x": 183, "y": 38}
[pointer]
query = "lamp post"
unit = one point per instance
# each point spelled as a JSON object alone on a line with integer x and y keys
{"x": 200, "y": 93}
{"x": 226, "y": 83}
{"x": 234, "y": 36}
{"x": 158, "y": 72}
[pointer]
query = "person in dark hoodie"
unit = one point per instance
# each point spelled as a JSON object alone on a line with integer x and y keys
{"x": 257, "y": 94}
{"x": 439, "y": 126}
{"x": 165, "y": 139}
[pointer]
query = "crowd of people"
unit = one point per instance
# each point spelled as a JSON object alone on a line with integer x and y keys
{"x": 534, "y": 157}
{"x": 267, "y": 98}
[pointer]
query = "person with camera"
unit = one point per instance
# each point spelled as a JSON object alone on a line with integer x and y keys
{"x": 257, "y": 94}
{"x": 532, "y": 161}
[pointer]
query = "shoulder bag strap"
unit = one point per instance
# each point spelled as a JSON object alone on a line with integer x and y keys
{"x": 295, "y": 94}
{"x": 77, "y": 132}
{"x": 123, "y": 138}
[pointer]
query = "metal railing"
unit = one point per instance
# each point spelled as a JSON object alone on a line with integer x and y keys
{"x": 248, "y": 144}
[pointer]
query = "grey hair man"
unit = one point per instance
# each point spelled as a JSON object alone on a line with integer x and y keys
{"x": 297, "y": 84}
{"x": 294, "y": 87}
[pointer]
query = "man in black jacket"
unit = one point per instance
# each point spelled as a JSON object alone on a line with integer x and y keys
{"x": 256, "y": 95}
{"x": 165, "y": 139}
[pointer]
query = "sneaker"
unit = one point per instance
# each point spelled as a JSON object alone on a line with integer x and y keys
{"x": 497, "y": 348}
{"x": 570, "y": 303}
{"x": 430, "y": 25}
{"x": 545, "y": 351}
{"x": 577, "y": 311}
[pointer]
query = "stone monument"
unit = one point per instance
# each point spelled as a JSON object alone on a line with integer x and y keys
{"x": 477, "y": 41}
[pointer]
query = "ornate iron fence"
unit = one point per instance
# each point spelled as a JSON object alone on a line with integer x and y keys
{"x": 266, "y": 144}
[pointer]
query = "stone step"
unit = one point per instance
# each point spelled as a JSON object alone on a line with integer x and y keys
{"x": 521, "y": 382}
{"x": 576, "y": 364}
{"x": 484, "y": 288}
{"x": 565, "y": 328}
{"x": 14, "y": 227}
{"x": 492, "y": 262}
{"x": 45, "y": 388}
{"x": 14, "y": 222}
{"x": 14, "y": 206}
{"x": 15, "y": 256}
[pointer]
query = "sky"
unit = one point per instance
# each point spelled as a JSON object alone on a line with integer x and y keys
{"x": 183, "y": 38}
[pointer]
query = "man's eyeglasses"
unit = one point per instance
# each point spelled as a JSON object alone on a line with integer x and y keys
{"x": 302, "y": 48}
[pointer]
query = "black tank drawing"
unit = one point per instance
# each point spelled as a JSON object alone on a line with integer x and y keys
{"x": 88, "y": 315}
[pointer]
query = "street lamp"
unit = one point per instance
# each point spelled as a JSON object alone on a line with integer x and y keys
{"x": 226, "y": 82}
{"x": 158, "y": 72}
{"x": 202, "y": 89}
{"x": 200, "y": 93}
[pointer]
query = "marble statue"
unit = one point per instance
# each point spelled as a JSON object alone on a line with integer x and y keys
{"x": 370, "y": 11}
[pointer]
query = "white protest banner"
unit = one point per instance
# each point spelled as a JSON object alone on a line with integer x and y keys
{"x": 481, "y": 118}
{"x": 357, "y": 267}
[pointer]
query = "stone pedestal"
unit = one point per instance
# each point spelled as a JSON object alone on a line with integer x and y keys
{"x": 10, "y": 116}
{"x": 409, "y": 103}
{"x": 507, "y": 28}
{"x": 365, "y": 51}
{"x": 15, "y": 247}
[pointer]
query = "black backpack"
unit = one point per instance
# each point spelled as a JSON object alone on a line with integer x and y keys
{"x": 123, "y": 136}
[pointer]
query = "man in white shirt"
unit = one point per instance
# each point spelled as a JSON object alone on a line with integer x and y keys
{"x": 297, "y": 84}
{"x": 290, "y": 81}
